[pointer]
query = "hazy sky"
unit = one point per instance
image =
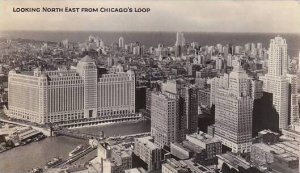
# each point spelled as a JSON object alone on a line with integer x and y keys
{"x": 179, "y": 15}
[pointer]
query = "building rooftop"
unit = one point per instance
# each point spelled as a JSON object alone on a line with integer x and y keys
{"x": 148, "y": 141}
{"x": 234, "y": 160}
{"x": 285, "y": 150}
{"x": 191, "y": 146}
{"x": 203, "y": 137}
{"x": 263, "y": 132}
{"x": 175, "y": 165}
{"x": 86, "y": 59}
{"x": 123, "y": 150}
{"x": 136, "y": 170}
{"x": 196, "y": 168}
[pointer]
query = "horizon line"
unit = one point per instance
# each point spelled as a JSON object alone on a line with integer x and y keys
{"x": 242, "y": 32}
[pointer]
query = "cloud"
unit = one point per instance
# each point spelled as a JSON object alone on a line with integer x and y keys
{"x": 190, "y": 15}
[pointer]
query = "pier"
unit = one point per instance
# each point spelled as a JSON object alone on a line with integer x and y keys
{"x": 60, "y": 128}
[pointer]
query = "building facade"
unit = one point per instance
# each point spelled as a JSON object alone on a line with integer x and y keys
{"x": 211, "y": 145}
{"x": 69, "y": 95}
{"x": 149, "y": 152}
{"x": 115, "y": 158}
{"x": 164, "y": 119}
{"x": 188, "y": 104}
{"x": 233, "y": 110}
{"x": 200, "y": 146}
{"x": 121, "y": 42}
{"x": 174, "y": 166}
{"x": 275, "y": 81}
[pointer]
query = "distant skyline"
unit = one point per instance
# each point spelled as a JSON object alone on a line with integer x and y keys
{"x": 187, "y": 16}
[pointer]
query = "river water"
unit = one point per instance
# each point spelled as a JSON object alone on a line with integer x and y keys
{"x": 36, "y": 154}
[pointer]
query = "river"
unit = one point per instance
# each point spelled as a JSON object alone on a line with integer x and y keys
{"x": 36, "y": 154}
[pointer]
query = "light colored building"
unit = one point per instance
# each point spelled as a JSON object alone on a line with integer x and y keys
{"x": 215, "y": 83}
{"x": 184, "y": 166}
{"x": 278, "y": 59}
{"x": 275, "y": 81}
{"x": 179, "y": 44}
{"x": 71, "y": 95}
{"x": 211, "y": 145}
{"x": 180, "y": 40}
{"x": 183, "y": 152}
{"x": 137, "y": 50}
{"x": 149, "y": 152}
{"x": 233, "y": 110}
{"x": 174, "y": 166}
{"x": 200, "y": 146}
{"x": 164, "y": 118}
{"x": 188, "y": 104}
{"x": 219, "y": 63}
{"x": 115, "y": 158}
{"x": 293, "y": 132}
{"x": 229, "y": 60}
{"x": 121, "y": 42}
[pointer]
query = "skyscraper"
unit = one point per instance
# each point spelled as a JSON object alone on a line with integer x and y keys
{"x": 180, "y": 40}
{"x": 179, "y": 44}
{"x": 293, "y": 99}
{"x": 188, "y": 104}
{"x": 276, "y": 81}
{"x": 164, "y": 119}
{"x": 233, "y": 110}
{"x": 121, "y": 42}
{"x": 278, "y": 60}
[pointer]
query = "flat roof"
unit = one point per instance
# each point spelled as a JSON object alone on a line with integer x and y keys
{"x": 203, "y": 137}
{"x": 234, "y": 160}
{"x": 147, "y": 141}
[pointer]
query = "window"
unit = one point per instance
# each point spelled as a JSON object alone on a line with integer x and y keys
{"x": 90, "y": 113}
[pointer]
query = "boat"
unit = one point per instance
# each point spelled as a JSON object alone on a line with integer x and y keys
{"x": 28, "y": 141}
{"x": 36, "y": 170}
{"x": 55, "y": 161}
{"x": 38, "y": 138}
{"x": 78, "y": 149}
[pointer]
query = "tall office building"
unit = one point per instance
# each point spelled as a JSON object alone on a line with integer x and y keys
{"x": 180, "y": 40}
{"x": 164, "y": 119}
{"x": 102, "y": 43}
{"x": 188, "y": 104}
{"x": 73, "y": 95}
{"x": 276, "y": 81}
{"x": 233, "y": 110}
{"x": 219, "y": 63}
{"x": 278, "y": 59}
{"x": 121, "y": 42}
{"x": 215, "y": 84}
{"x": 179, "y": 44}
{"x": 293, "y": 99}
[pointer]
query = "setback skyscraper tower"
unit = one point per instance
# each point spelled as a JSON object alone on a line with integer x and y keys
{"x": 276, "y": 81}
{"x": 233, "y": 110}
